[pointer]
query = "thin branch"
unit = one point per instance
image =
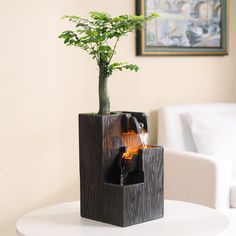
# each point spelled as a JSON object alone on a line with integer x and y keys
{"x": 92, "y": 48}
{"x": 114, "y": 49}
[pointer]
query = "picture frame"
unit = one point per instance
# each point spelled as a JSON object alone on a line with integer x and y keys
{"x": 185, "y": 27}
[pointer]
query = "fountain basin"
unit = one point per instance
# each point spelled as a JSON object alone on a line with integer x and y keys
{"x": 103, "y": 198}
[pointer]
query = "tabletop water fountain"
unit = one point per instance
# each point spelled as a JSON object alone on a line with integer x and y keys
{"x": 121, "y": 176}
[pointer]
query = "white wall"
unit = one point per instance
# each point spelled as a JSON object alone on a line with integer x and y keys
{"x": 44, "y": 85}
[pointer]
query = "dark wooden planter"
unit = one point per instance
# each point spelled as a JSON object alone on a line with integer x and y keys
{"x": 102, "y": 198}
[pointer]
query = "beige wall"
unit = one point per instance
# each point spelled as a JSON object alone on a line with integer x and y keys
{"x": 44, "y": 85}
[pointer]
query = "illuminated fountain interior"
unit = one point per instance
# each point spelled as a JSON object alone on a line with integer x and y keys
{"x": 129, "y": 163}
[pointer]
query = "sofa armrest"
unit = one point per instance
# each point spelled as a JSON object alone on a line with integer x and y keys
{"x": 197, "y": 178}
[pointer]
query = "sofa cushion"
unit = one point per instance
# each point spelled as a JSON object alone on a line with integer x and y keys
{"x": 173, "y": 129}
{"x": 214, "y": 134}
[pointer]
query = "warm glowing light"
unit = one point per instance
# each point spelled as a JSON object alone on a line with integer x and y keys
{"x": 133, "y": 143}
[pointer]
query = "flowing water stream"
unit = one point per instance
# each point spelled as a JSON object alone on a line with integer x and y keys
{"x": 133, "y": 141}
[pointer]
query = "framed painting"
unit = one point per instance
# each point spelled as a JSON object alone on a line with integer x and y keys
{"x": 185, "y": 27}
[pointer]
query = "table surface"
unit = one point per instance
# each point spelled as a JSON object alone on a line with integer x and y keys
{"x": 180, "y": 219}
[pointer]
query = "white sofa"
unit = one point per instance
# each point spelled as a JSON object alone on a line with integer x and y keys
{"x": 191, "y": 176}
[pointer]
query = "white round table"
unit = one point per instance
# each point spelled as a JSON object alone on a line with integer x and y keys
{"x": 181, "y": 219}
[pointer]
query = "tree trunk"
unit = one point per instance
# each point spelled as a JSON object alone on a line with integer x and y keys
{"x": 104, "y": 101}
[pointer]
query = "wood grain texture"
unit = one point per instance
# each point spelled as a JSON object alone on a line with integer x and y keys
{"x": 100, "y": 141}
{"x": 153, "y": 182}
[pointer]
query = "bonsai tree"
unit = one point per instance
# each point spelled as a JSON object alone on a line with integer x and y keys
{"x": 99, "y": 36}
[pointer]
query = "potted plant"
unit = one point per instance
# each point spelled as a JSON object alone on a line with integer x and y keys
{"x": 120, "y": 183}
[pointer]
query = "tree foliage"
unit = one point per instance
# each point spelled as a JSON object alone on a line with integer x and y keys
{"x": 100, "y": 34}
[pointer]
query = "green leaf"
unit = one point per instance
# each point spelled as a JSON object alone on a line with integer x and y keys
{"x": 100, "y": 16}
{"x": 66, "y": 40}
